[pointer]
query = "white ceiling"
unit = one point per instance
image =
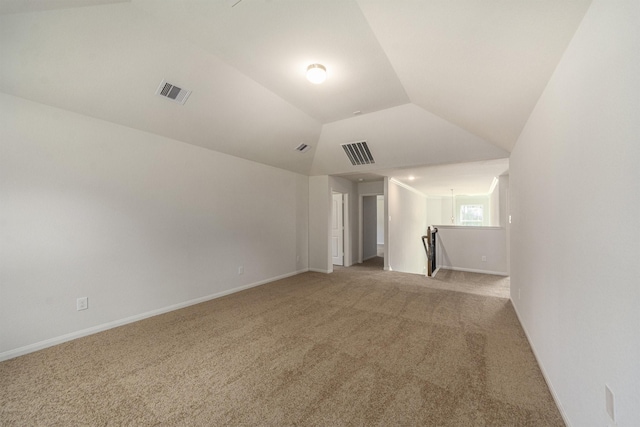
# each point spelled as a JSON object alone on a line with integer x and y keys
{"x": 471, "y": 179}
{"x": 22, "y": 6}
{"x": 401, "y": 136}
{"x": 436, "y": 81}
{"x": 479, "y": 64}
{"x": 273, "y": 42}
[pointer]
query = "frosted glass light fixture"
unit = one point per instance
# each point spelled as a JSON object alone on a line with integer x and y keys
{"x": 316, "y": 73}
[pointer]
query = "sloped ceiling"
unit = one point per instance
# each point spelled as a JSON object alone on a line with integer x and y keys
{"x": 479, "y": 64}
{"x": 433, "y": 81}
{"x": 406, "y": 135}
{"x": 22, "y": 6}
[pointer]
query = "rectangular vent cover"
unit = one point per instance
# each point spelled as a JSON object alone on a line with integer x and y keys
{"x": 302, "y": 147}
{"x": 173, "y": 92}
{"x": 358, "y": 153}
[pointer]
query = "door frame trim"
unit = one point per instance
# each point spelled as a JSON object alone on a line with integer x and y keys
{"x": 346, "y": 224}
{"x": 360, "y": 227}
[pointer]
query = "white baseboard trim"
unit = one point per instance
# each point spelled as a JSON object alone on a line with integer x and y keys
{"x": 20, "y": 351}
{"x": 319, "y": 270}
{"x": 544, "y": 373}
{"x": 473, "y": 270}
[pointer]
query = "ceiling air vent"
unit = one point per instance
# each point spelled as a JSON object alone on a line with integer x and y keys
{"x": 302, "y": 148}
{"x": 358, "y": 153}
{"x": 173, "y": 92}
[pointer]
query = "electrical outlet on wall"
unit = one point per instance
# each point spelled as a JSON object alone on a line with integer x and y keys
{"x": 484, "y": 258}
{"x": 240, "y": 270}
{"x": 82, "y": 303}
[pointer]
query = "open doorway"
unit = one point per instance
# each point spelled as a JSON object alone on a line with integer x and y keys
{"x": 337, "y": 228}
{"x": 372, "y": 227}
{"x": 380, "y": 225}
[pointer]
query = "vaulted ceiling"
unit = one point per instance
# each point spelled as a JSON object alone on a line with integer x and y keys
{"x": 423, "y": 82}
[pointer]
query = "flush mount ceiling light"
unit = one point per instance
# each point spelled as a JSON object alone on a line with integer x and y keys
{"x": 316, "y": 73}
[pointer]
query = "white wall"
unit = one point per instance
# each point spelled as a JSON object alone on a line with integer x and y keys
{"x": 408, "y": 223}
{"x": 434, "y": 210}
{"x": 504, "y": 215}
{"x": 447, "y": 211}
{"x": 136, "y": 222}
{"x": 371, "y": 187}
{"x": 575, "y": 276}
{"x": 494, "y": 206}
{"x": 369, "y": 227}
{"x": 319, "y": 224}
{"x": 462, "y": 248}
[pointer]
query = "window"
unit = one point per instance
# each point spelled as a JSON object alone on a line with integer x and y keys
{"x": 471, "y": 215}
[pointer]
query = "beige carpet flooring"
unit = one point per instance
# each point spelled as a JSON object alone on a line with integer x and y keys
{"x": 357, "y": 347}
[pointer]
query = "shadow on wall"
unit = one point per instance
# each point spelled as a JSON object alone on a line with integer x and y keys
{"x": 442, "y": 257}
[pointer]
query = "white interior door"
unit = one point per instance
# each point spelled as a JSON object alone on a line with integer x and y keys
{"x": 337, "y": 230}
